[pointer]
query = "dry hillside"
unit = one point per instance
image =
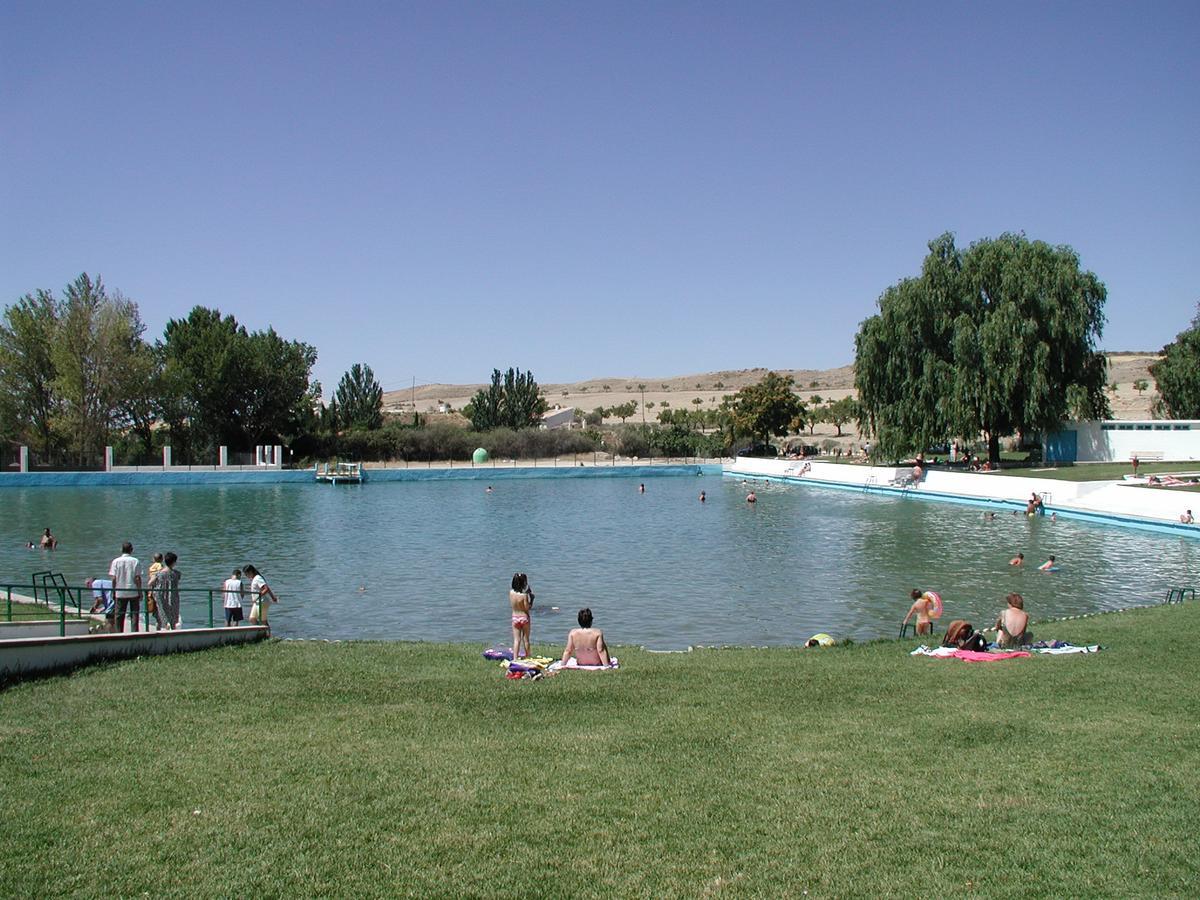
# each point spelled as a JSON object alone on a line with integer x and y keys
{"x": 681, "y": 390}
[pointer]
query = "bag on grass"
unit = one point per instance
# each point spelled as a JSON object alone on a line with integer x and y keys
{"x": 956, "y": 631}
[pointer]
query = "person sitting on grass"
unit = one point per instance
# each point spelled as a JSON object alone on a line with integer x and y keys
{"x": 586, "y": 643}
{"x": 1012, "y": 627}
{"x": 920, "y": 607}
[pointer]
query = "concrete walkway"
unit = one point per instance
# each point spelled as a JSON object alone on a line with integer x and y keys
{"x": 1114, "y": 502}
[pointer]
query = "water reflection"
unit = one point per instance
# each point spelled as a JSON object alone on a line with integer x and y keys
{"x": 432, "y": 560}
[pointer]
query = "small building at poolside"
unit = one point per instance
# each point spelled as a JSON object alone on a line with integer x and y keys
{"x": 1119, "y": 440}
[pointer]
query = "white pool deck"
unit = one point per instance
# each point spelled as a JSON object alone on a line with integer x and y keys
{"x": 1115, "y": 502}
{"x": 30, "y": 647}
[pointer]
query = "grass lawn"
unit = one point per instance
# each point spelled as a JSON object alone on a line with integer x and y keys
{"x": 1103, "y": 471}
{"x": 379, "y": 769}
{"x": 24, "y": 611}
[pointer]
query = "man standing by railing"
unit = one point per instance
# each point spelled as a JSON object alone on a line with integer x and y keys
{"x": 126, "y": 574}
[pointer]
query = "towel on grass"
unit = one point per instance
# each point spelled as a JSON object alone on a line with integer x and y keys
{"x": 572, "y": 663}
{"x": 1060, "y": 648}
{"x": 968, "y": 655}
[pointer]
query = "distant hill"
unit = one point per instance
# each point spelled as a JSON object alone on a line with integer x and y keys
{"x": 709, "y": 387}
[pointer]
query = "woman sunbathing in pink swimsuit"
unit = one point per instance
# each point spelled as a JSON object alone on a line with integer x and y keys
{"x": 520, "y": 597}
{"x": 586, "y": 643}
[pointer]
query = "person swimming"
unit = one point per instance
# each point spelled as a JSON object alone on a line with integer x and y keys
{"x": 702, "y": 497}
{"x": 752, "y": 497}
{"x": 1048, "y": 565}
{"x": 1018, "y": 560}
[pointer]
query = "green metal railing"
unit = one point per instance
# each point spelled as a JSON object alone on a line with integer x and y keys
{"x": 51, "y": 591}
{"x": 1178, "y": 595}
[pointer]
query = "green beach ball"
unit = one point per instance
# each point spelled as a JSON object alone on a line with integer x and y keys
{"x": 479, "y": 456}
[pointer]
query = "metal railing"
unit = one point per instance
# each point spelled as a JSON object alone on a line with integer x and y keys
{"x": 51, "y": 591}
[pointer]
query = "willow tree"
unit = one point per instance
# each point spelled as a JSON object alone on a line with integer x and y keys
{"x": 996, "y": 339}
{"x": 1177, "y": 375}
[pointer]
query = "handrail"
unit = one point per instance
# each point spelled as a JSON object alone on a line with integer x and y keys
{"x": 73, "y": 595}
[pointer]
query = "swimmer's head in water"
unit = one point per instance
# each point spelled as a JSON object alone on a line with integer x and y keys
{"x": 1016, "y": 601}
{"x": 585, "y": 618}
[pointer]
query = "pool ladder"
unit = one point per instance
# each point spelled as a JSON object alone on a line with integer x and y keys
{"x": 1178, "y": 595}
{"x": 871, "y": 482}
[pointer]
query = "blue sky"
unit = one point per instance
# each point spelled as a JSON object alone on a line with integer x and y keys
{"x": 589, "y": 189}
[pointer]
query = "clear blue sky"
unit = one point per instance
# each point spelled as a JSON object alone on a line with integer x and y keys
{"x": 589, "y": 189}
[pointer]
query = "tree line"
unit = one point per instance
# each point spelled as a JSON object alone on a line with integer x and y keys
{"x": 994, "y": 340}
{"x": 77, "y": 374}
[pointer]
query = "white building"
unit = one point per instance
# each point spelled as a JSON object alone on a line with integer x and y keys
{"x": 558, "y": 417}
{"x": 1118, "y": 440}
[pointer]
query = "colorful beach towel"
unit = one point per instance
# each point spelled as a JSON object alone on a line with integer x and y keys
{"x": 969, "y": 655}
{"x": 530, "y": 667}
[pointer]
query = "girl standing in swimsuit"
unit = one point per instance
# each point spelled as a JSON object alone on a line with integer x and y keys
{"x": 520, "y": 598}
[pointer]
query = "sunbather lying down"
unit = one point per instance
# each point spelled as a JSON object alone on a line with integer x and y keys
{"x": 586, "y": 643}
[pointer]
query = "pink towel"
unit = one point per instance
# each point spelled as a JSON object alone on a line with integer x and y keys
{"x": 975, "y": 656}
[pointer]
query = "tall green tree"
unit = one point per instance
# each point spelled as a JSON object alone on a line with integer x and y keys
{"x": 766, "y": 408}
{"x": 995, "y": 339}
{"x": 27, "y": 371}
{"x": 360, "y": 399}
{"x": 1177, "y": 375}
{"x": 523, "y": 401}
{"x": 280, "y": 401}
{"x": 512, "y": 400}
{"x": 841, "y": 412}
{"x": 97, "y": 358}
{"x": 242, "y": 389}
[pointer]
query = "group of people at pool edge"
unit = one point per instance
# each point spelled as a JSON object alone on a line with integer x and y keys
{"x": 120, "y": 594}
{"x": 1012, "y": 625}
{"x": 585, "y": 644}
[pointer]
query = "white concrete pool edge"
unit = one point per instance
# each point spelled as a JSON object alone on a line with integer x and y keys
{"x": 1109, "y": 502}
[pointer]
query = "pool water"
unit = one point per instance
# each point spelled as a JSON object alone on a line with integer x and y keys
{"x": 433, "y": 560}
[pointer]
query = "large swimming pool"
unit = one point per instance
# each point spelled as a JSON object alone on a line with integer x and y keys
{"x": 432, "y": 560}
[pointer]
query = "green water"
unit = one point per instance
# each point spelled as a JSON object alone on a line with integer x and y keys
{"x": 432, "y": 560}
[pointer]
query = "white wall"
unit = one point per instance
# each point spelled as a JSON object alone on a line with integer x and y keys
{"x": 1118, "y": 440}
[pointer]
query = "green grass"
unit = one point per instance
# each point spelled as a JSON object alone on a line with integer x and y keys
{"x": 301, "y": 769}
{"x": 25, "y": 611}
{"x": 1102, "y": 471}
